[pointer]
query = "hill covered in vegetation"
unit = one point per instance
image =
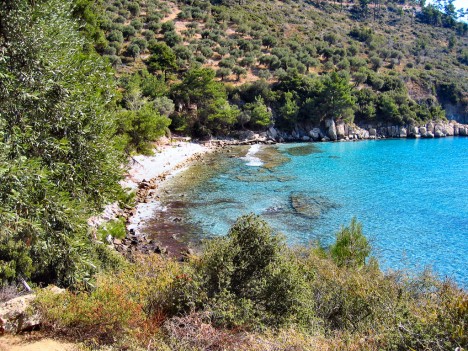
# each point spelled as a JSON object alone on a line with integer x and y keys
{"x": 386, "y": 62}
{"x": 207, "y": 68}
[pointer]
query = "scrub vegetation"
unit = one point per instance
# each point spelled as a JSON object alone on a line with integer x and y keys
{"x": 250, "y": 291}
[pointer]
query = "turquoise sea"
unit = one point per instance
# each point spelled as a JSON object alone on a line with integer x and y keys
{"x": 410, "y": 195}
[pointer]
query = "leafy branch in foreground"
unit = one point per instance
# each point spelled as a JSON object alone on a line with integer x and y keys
{"x": 57, "y": 152}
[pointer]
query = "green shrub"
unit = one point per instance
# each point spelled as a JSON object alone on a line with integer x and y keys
{"x": 351, "y": 248}
{"x": 249, "y": 280}
{"x": 134, "y": 8}
{"x": 142, "y": 127}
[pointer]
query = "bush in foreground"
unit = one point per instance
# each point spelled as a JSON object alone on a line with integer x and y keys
{"x": 249, "y": 291}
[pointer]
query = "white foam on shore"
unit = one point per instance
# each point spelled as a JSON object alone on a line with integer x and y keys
{"x": 251, "y": 159}
{"x": 143, "y": 213}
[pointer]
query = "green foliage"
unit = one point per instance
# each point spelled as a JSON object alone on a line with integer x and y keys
{"x": 114, "y": 228}
{"x": 351, "y": 248}
{"x": 260, "y": 115}
{"x": 290, "y": 109}
{"x": 250, "y": 286}
{"x": 221, "y": 116}
{"x": 248, "y": 280}
{"x": 335, "y": 100}
{"x": 362, "y": 34}
{"x": 162, "y": 58}
{"x": 57, "y": 143}
{"x": 142, "y": 126}
{"x": 15, "y": 260}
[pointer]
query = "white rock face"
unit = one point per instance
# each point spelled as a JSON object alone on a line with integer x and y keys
{"x": 448, "y": 130}
{"x": 403, "y": 133}
{"x": 430, "y": 127}
{"x": 423, "y": 131}
{"x": 340, "y": 130}
{"x": 272, "y": 132}
{"x": 414, "y": 130}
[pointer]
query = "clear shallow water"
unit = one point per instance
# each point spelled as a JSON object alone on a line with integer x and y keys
{"x": 410, "y": 196}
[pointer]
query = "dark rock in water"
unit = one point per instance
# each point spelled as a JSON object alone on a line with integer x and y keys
{"x": 311, "y": 207}
{"x": 303, "y": 150}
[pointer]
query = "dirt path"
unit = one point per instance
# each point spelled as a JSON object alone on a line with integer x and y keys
{"x": 34, "y": 343}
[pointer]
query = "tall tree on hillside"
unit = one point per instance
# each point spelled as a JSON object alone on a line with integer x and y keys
{"x": 335, "y": 99}
{"x": 162, "y": 59}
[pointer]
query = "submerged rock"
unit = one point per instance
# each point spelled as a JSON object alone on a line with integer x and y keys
{"x": 311, "y": 207}
{"x": 303, "y": 150}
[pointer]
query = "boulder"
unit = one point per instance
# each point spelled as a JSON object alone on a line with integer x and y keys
{"x": 448, "y": 130}
{"x": 414, "y": 130}
{"x": 340, "y": 130}
{"x": 439, "y": 134}
{"x": 372, "y": 132}
{"x": 403, "y": 133}
{"x": 456, "y": 130}
{"x": 331, "y": 128}
{"x": 15, "y": 316}
{"x": 462, "y": 131}
{"x": 430, "y": 127}
{"x": 438, "y": 127}
{"x": 315, "y": 134}
{"x": 422, "y": 131}
{"x": 325, "y": 138}
{"x": 305, "y": 138}
{"x": 429, "y": 135}
{"x": 272, "y": 133}
{"x": 246, "y": 135}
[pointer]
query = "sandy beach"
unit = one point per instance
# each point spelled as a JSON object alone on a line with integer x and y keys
{"x": 165, "y": 163}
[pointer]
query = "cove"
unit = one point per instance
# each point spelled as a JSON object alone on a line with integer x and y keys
{"x": 410, "y": 196}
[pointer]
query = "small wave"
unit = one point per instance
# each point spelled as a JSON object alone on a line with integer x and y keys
{"x": 251, "y": 159}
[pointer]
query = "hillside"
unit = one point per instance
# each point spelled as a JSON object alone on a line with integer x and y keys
{"x": 405, "y": 65}
{"x": 69, "y": 123}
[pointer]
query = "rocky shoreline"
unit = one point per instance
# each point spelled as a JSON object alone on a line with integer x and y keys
{"x": 147, "y": 200}
{"x": 340, "y": 131}
{"x": 147, "y": 195}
